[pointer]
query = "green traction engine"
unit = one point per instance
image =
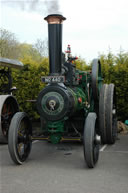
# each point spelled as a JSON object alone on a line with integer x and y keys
{"x": 74, "y": 105}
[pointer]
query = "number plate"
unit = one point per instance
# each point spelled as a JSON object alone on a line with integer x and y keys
{"x": 53, "y": 79}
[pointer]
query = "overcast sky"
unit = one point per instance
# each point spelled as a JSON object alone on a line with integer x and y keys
{"x": 92, "y": 26}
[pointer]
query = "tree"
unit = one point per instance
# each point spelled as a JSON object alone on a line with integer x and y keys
{"x": 28, "y": 83}
{"x": 82, "y": 65}
{"x": 28, "y": 52}
{"x": 9, "y": 46}
{"x": 42, "y": 47}
{"x": 115, "y": 70}
{"x": 107, "y": 66}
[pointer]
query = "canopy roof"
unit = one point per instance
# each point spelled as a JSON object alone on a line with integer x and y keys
{"x": 10, "y": 63}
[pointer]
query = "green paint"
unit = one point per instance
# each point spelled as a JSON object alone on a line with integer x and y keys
{"x": 55, "y": 138}
{"x": 77, "y": 92}
{"x": 55, "y": 129}
{"x": 56, "y": 126}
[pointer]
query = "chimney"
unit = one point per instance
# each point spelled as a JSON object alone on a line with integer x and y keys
{"x": 55, "y": 42}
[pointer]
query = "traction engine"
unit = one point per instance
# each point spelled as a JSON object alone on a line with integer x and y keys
{"x": 73, "y": 106}
{"x": 8, "y": 103}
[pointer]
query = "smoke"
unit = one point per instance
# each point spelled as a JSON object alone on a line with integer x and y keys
{"x": 52, "y": 7}
{"x": 24, "y": 5}
{"x": 42, "y": 7}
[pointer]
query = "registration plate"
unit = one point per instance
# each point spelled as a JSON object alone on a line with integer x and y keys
{"x": 53, "y": 79}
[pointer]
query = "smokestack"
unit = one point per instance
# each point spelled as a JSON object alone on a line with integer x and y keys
{"x": 55, "y": 42}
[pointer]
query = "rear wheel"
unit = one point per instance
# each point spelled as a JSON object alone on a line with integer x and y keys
{"x": 111, "y": 119}
{"x": 96, "y": 79}
{"x": 8, "y": 107}
{"x": 102, "y": 113}
{"x": 107, "y": 114}
{"x": 91, "y": 141}
{"x": 19, "y": 138}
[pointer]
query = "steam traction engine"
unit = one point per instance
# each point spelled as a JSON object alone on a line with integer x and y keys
{"x": 73, "y": 106}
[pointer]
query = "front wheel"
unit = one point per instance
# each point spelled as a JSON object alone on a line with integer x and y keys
{"x": 91, "y": 141}
{"x": 19, "y": 137}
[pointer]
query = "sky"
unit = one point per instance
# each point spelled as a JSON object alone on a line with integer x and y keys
{"x": 92, "y": 27}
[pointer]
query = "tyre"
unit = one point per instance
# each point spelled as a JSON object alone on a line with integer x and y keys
{"x": 102, "y": 113}
{"x": 19, "y": 138}
{"x": 107, "y": 114}
{"x": 91, "y": 141}
{"x": 96, "y": 79}
{"x": 111, "y": 118}
{"x": 8, "y": 107}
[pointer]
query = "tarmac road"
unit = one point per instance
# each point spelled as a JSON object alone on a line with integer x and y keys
{"x": 61, "y": 169}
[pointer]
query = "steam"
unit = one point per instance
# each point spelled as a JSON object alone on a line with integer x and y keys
{"x": 42, "y": 7}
